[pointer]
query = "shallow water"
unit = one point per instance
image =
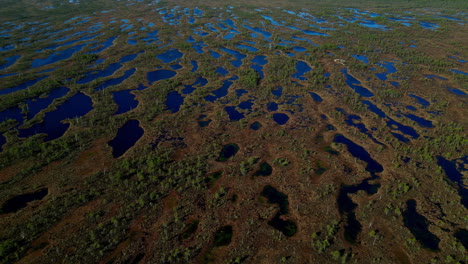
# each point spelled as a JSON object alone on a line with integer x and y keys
{"x": 316, "y": 97}
{"x": 255, "y": 126}
{"x": 221, "y": 92}
{"x": 301, "y": 68}
{"x": 170, "y": 56}
{"x": 76, "y": 106}
{"x": 35, "y": 105}
{"x": 19, "y": 202}
{"x": 420, "y": 121}
{"x": 233, "y": 114}
{"x": 228, "y": 152}
{"x": 456, "y": 91}
{"x": 126, "y": 137}
{"x": 419, "y": 226}
{"x": 116, "y": 81}
{"x": 280, "y": 118}
{"x": 423, "y": 102}
{"x": 354, "y": 84}
{"x": 125, "y": 101}
{"x": 174, "y": 101}
{"x": 22, "y": 86}
{"x": 57, "y": 56}
{"x": 390, "y": 69}
{"x": 158, "y": 75}
{"x": 194, "y": 65}
{"x": 9, "y": 62}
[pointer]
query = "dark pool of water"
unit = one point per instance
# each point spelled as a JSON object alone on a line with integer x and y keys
{"x": 19, "y": 202}
{"x": 158, "y": 75}
{"x": 247, "y": 47}
{"x": 392, "y": 124}
{"x": 316, "y": 97}
{"x": 198, "y": 47}
{"x": 116, "y": 81}
{"x": 355, "y": 121}
{"x": 308, "y": 32}
{"x": 234, "y": 115}
{"x": 433, "y": 76}
{"x": 194, "y": 65}
{"x": 230, "y": 23}
{"x": 246, "y": 105}
{"x": 13, "y": 113}
{"x": 108, "y": 71}
{"x": 256, "y": 125}
{"x": 9, "y": 74}
{"x": 419, "y": 226}
{"x": 228, "y": 152}
{"x": 280, "y": 118}
{"x": 223, "y": 236}
{"x": 423, "y": 102}
{"x": 2, "y": 142}
{"x": 420, "y": 121}
{"x": 151, "y": 37}
{"x": 272, "y": 106}
{"x": 125, "y": 101}
{"x": 222, "y": 71}
{"x": 456, "y": 91}
{"x": 57, "y": 56}
{"x": 264, "y": 33}
{"x": 76, "y": 106}
{"x": 199, "y": 82}
{"x": 273, "y": 22}
{"x": 390, "y": 69}
{"x": 459, "y": 72}
{"x": 278, "y": 91}
{"x": 428, "y": 25}
{"x": 258, "y": 69}
{"x": 204, "y": 123}
{"x": 170, "y": 55}
{"x": 372, "y": 24}
{"x": 455, "y": 176}
{"x": 176, "y": 66}
{"x": 126, "y": 137}
{"x": 236, "y": 54}
{"x": 276, "y": 197}
{"x": 299, "y": 49}
{"x": 52, "y": 47}
{"x": 215, "y": 54}
{"x": 360, "y": 153}
{"x": 345, "y": 204}
{"x": 9, "y": 61}
{"x": 354, "y": 84}
{"x": 174, "y": 101}
{"x": 103, "y": 46}
{"x": 450, "y": 170}
{"x": 373, "y": 108}
{"x": 287, "y": 227}
{"x": 264, "y": 170}
{"x": 462, "y": 236}
{"x": 130, "y": 57}
{"x": 35, "y": 105}
{"x": 7, "y": 47}
{"x": 260, "y": 60}
{"x": 22, "y": 86}
{"x": 301, "y": 68}
{"x": 362, "y": 58}
{"x": 221, "y": 92}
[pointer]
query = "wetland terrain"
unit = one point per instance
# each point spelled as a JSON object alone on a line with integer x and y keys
{"x": 233, "y": 131}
